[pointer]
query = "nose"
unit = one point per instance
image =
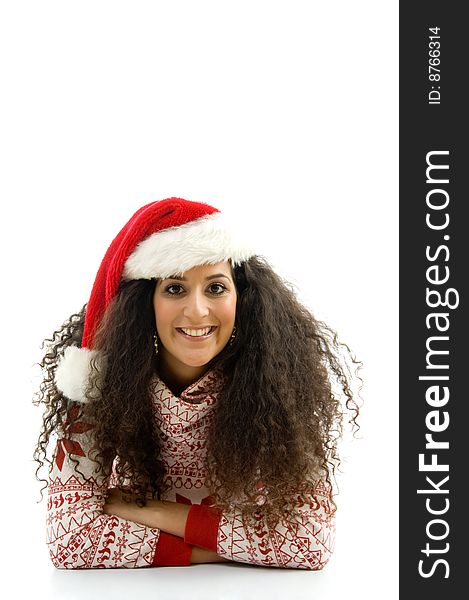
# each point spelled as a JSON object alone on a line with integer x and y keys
{"x": 197, "y": 307}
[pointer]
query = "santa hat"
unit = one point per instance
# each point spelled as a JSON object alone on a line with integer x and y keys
{"x": 163, "y": 238}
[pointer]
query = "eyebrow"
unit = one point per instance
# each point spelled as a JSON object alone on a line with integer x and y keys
{"x": 207, "y": 278}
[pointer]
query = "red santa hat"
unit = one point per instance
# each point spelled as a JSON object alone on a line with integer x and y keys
{"x": 163, "y": 238}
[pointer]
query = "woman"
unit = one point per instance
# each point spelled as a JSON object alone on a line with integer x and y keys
{"x": 192, "y": 399}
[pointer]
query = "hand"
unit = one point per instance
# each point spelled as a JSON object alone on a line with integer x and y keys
{"x": 170, "y": 517}
{"x": 117, "y": 506}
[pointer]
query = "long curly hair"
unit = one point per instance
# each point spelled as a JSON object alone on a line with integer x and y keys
{"x": 278, "y": 418}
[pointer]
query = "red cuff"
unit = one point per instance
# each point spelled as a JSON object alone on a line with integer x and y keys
{"x": 172, "y": 551}
{"x": 202, "y": 527}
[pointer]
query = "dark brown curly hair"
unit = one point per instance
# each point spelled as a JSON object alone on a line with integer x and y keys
{"x": 278, "y": 418}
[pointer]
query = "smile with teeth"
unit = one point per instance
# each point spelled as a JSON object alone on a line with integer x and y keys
{"x": 196, "y": 333}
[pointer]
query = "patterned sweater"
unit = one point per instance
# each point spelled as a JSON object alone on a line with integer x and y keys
{"x": 80, "y": 535}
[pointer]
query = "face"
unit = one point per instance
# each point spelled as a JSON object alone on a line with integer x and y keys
{"x": 195, "y": 316}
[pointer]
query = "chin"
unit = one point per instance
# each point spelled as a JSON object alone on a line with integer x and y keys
{"x": 200, "y": 362}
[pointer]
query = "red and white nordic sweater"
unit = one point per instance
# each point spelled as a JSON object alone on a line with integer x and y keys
{"x": 80, "y": 535}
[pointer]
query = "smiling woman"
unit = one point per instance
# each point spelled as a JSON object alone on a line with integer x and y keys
{"x": 194, "y": 321}
{"x": 197, "y": 406}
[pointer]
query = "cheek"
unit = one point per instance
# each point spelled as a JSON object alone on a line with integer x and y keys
{"x": 163, "y": 313}
{"x": 227, "y": 312}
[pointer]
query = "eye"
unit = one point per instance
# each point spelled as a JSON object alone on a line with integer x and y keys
{"x": 219, "y": 289}
{"x": 170, "y": 287}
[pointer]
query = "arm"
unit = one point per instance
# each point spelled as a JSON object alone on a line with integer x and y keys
{"x": 200, "y": 555}
{"x": 303, "y": 539}
{"x": 79, "y": 533}
{"x": 169, "y": 517}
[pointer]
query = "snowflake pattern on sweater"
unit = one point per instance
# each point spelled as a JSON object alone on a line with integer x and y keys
{"x": 80, "y": 535}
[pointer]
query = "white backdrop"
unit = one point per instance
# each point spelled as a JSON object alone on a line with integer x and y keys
{"x": 282, "y": 111}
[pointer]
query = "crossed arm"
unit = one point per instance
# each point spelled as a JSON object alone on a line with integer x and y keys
{"x": 170, "y": 517}
{"x": 82, "y": 534}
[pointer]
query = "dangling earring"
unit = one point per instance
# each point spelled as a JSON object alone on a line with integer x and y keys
{"x": 233, "y": 336}
{"x": 156, "y": 343}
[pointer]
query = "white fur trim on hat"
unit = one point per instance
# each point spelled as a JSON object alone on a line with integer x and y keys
{"x": 173, "y": 251}
{"x": 73, "y": 371}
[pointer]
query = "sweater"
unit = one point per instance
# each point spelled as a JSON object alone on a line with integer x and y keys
{"x": 80, "y": 535}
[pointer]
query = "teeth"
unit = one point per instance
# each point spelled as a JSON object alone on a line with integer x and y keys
{"x": 196, "y": 332}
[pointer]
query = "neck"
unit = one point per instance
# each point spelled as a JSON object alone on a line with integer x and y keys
{"x": 178, "y": 376}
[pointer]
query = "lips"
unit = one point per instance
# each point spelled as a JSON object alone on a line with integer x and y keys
{"x": 196, "y": 334}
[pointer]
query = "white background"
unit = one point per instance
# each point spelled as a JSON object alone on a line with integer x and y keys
{"x": 284, "y": 112}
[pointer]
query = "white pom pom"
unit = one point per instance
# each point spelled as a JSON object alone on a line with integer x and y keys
{"x": 73, "y": 371}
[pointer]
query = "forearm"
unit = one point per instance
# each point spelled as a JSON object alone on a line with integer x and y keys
{"x": 167, "y": 516}
{"x": 170, "y": 517}
{"x": 201, "y": 555}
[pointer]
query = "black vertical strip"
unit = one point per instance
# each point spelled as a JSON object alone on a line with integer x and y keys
{"x": 433, "y": 259}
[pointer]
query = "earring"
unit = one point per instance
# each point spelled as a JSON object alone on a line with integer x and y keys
{"x": 233, "y": 335}
{"x": 156, "y": 343}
